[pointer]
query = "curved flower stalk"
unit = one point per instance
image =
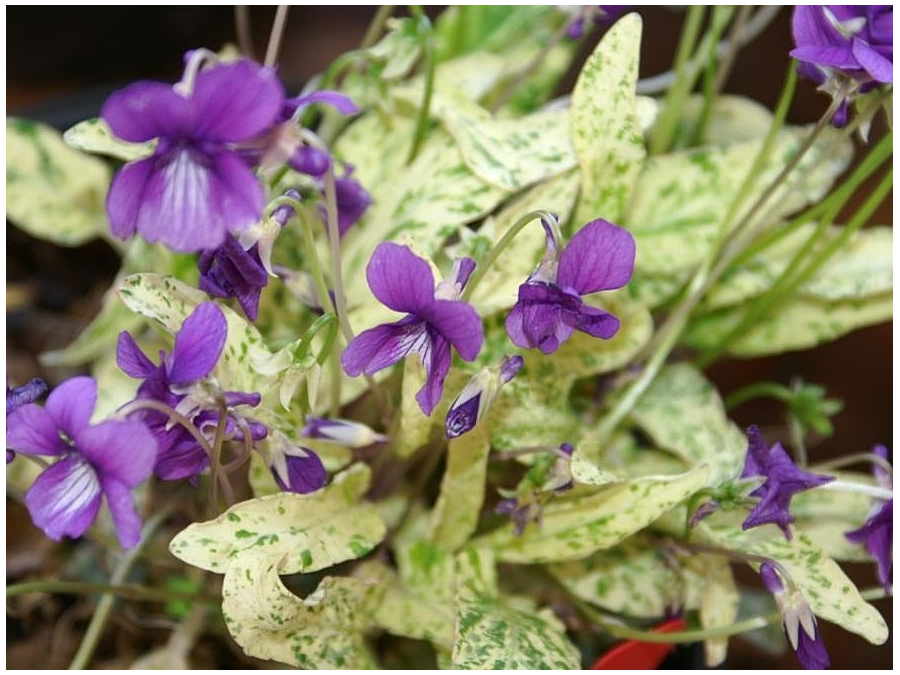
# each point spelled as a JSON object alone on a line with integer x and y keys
{"x": 600, "y": 257}
{"x": 108, "y": 460}
{"x": 176, "y": 382}
{"x": 847, "y": 49}
{"x": 435, "y": 319}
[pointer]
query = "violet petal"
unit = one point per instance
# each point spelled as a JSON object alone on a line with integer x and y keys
{"x": 72, "y": 403}
{"x": 599, "y": 257}
{"x": 65, "y": 498}
{"x": 400, "y": 279}
{"x": 198, "y": 344}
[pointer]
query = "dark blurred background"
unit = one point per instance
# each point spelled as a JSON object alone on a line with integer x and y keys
{"x": 63, "y": 61}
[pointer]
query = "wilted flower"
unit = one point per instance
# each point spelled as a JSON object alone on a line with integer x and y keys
{"x": 106, "y": 459}
{"x": 783, "y": 480}
{"x": 403, "y": 282}
{"x": 798, "y": 619}
{"x": 232, "y": 272}
{"x": 599, "y": 257}
{"x": 196, "y": 187}
{"x": 476, "y": 397}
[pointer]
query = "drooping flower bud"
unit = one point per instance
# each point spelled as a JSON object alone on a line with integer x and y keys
{"x": 343, "y": 432}
{"x": 476, "y": 397}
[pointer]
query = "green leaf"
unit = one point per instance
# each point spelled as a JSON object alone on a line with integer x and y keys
{"x": 321, "y": 631}
{"x": 830, "y": 593}
{"x": 414, "y": 426}
{"x": 631, "y": 578}
{"x": 732, "y": 119}
{"x": 464, "y": 28}
{"x": 310, "y": 532}
{"x": 491, "y": 634}
{"x": 52, "y": 191}
{"x": 459, "y": 504}
{"x": 399, "y": 50}
{"x": 797, "y": 324}
{"x": 574, "y": 528}
{"x": 419, "y": 604}
{"x": 605, "y": 127}
{"x": 95, "y": 136}
{"x": 683, "y": 413}
{"x": 681, "y": 198}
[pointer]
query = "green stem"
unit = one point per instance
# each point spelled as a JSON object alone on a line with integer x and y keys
{"x": 377, "y": 26}
{"x": 427, "y": 36}
{"x": 101, "y": 615}
{"x": 275, "y": 36}
{"x": 711, "y": 79}
{"x": 305, "y": 344}
{"x": 174, "y": 415}
{"x": 758, "y": 390}
{"x": 511, "y": 233}
{"x": 792, "y": 278}
{"x": 216, "y": 475}
{"x": 847, "y": 460}
{"x": 242, "y": 28}
{"x": 667, "y": 122}
{"x": 334, "y": 244}
{"x": 733, "y": 42}
{"x": 859, "y": 488}
{"x": 125, "y": 591}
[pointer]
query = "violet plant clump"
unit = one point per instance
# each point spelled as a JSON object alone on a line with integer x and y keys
{"x": 433, "y": 342}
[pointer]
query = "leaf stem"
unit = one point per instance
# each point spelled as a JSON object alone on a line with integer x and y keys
{"x": 101, "y": 615}
{"x": 758, "y": 390}
{"x": 125, "y": 591}
{"x": 859, "y": 488}
{"x": 275, "y": 36}
{"x": 426, "y": 34}
{"x": 242, "y": 28}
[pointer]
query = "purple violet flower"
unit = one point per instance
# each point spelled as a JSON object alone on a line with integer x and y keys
{"x": 877, "y": 533}
{"x": 599, "y": 257}
{"x": 343, "y": 432}
{"x": 17, "y": 397}
{"x": 106, "y": 459}
{"x": 198, "y": 346}
{"x": 845, "y": 48}
{"x": 598, "y": 15}
{"x": 196, "y": 187}
{"x": 352, "y": 200}
{"x": 783, "y": 480}
{"x": 232, "y": 272}
{"x": 295, "y": 468}
{"x": 435, "y": 320}
{"x": 469, "y": 407}
{"x": 798, "y": 620}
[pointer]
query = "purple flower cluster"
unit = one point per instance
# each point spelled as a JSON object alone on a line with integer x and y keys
{"x": 783, "y": 480}
{"x": 108, "y": 460}
{"x": 845, "y": 48}
{"x": 198, "y": 346}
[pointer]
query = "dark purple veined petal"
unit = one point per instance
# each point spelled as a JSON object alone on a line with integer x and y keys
{"x": 232, "y": 102}
{"x": 538, "y": 319}
{"x": 182, "y": 458}
{"x": 596, "y": 322}
{"x": 146, "y": 110}
{"x": 121, "y": 508}
{"x": 232, "y": 272}
{"x": 809, "y": 26}
{"x": 305, "y": 474}
{"x": 29, "y": 392}
{"x": 399, "y": 278}
{"x": 832, "y": 57}
{"x": 436, "y": 359}
{"x": 72, "y": 403}
{"x": 31, "y": 430}
{"x": 457, "y": 322}
{"x": 198, "y": 344}
{"x": 186, "y": 198}
{"x": 120, "y": 449}
{"x": 352, "y": 202}
{"x": 65, "y": 498}
{"x": 131, "y": 359}
{"x": 383, "y": 346}
{"x": 599, "y": 257}
{"x": 757, "y": 451}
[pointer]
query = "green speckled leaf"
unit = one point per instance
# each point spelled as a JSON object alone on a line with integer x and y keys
{"x": 310, "y": 532}
{"x": 574, "y": 528}
{"x": 413, "y": 426}
{"x": 683, "y": 413}
{"x": 606, "y": 130}
{"x": 861, "y": 268}
{"x": 799, "y": 323}
{"x": 681, "y": 198}
{"x": 830, "y": 593}
{"x": 732, "y": 119}
{"x": 321, "y": 631}
{"x": 95, "y": 136}
{"x": 419, "y": 603}
{"x": 491, "y": 634}
{"x": 631, "y": 578}
{"x": 52, "y": 191}
{"x": 459, "y": 504}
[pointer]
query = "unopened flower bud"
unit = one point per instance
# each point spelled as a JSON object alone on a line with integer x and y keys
{"x": 476, "y": 397}
{"x": 343, "y": 432}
